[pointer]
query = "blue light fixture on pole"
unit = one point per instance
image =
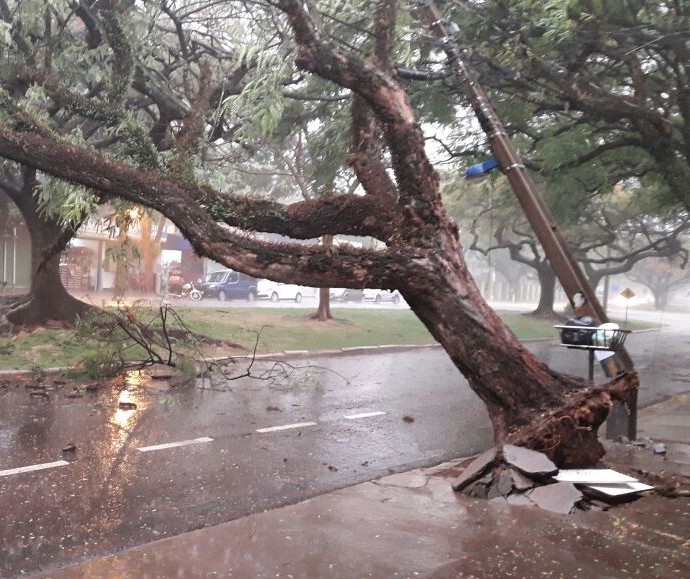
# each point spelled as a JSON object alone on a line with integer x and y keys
{"x": 480, "y": 169}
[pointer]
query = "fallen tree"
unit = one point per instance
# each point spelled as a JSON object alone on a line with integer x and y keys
{"x": 529, "y": 404}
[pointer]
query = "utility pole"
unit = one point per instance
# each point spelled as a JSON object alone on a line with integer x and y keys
{"x": 575, "y": 284}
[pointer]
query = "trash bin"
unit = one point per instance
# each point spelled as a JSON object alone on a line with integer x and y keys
{"x": 578, "y": 331}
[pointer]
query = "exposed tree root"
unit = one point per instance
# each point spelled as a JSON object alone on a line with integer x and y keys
{"x": 568, "y": 435}
{"x": 29, "y": 312}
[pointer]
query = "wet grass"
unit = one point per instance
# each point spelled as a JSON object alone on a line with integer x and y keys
{"x": 279, "y": 328}
{"x": 42, "y": 348}
{"x": 291, "y": 329}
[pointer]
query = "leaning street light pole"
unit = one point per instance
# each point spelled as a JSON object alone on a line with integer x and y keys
{"x": 573, "y": 281}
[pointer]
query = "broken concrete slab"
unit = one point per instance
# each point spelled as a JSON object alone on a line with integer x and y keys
{"x": 561, "y": 497}
{"x": 477, "y": 491}
{"x": 475, "y": 470}
{"x": 498, "y": 501}
{"x": 162, "y": 372}
{"x": 494, "y": 492}
{"x": 520, "y": 481}
{"x": 603, "y": 482}
{"x": 519, "y": 500}
{"x": 522, "y": 477}
{"x": 505, "y": 482}
{"x": 530, "y": 462}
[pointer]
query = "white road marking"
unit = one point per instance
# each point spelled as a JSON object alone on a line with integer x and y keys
{"x": 364, "y": 415}
{"x": 58, "y": 463}
{"x": 174, "y": 444}
{"x": 33, "y": 467}
{"x": 286, "y": 427}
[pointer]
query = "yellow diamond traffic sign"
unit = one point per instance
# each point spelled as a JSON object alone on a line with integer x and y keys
{"x": 627, "y": 293}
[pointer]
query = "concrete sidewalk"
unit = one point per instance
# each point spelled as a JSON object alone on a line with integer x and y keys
{"x": 413, "y": 525}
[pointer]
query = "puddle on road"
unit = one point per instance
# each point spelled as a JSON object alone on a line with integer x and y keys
{"x": 124, "y": 396}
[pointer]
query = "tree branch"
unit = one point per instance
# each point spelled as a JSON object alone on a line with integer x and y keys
{"x": 203, "y": 215}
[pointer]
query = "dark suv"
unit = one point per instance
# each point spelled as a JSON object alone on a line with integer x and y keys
{"x": 227, "y": 284}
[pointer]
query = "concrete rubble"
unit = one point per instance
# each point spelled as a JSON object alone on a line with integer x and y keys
{"x": 520, "y": 476}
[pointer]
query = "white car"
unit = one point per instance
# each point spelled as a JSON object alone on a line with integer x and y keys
{"x": 275, "y": 291}
{"x": 341, "y": 294}
{"x": 381, "y": 295}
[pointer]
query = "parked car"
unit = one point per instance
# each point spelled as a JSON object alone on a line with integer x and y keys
{"x": 275, "y": 291}
{"x": 342, "y": 294}
{"x": 228, "y": 284}
{"x": 381, "y": 295}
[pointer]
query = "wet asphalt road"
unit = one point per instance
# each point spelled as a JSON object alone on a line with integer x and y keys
{"x": 348, "y": 419}
{"x": 112, "y": 495}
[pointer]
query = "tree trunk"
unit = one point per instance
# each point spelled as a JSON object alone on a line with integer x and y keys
{"x": 660, "y": 298}
{"x": 529, "y": 404}
{"x": 547, "y": 293}
{"x": 323, "y": 313}
{"x": 48, "y": 302}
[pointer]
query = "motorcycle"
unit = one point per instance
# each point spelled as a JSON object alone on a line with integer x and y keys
{"x": 188, "y": 290}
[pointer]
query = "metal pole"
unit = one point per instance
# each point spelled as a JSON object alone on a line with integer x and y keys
{"x": 99, "y": 265}
{"x": 14, "y": 257}
{"x": 4, "y": 263}
{"x": 575, "y": 284}
{"x": 607, "y": 282}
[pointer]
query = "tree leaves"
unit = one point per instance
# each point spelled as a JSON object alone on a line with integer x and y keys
{"x": 69, "y": 203}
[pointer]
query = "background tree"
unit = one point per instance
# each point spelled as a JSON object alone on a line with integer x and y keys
{"x": 608, "y": 235}
{"x": 607, "y": 80}
{"x": 306, "y": 155}
{"x": 131, "y": 100}
{"x": 623, "y": 237}
{"x": 662, "y": 276}
{"x": 48, "y": 299}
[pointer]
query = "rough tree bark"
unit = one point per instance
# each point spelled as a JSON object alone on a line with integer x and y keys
{"x": 47, "y": 301}
{"x": 529, "y": 404}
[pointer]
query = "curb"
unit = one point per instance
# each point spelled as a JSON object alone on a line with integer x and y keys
{"x": 338, "y": 352}
{"x": 285, "y": 355}
{"x": 288, "y": 355}
{"x": 30, "y": 374}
